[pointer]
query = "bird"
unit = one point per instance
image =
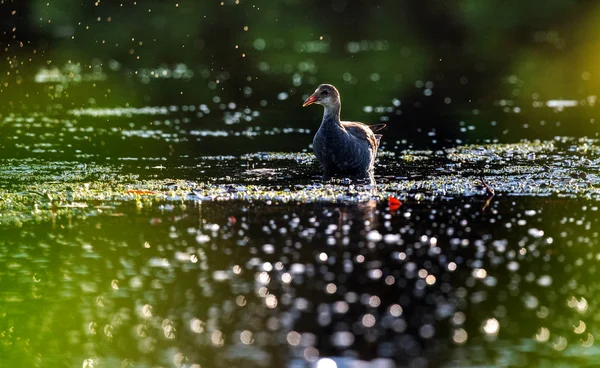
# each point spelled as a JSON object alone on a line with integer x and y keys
{"x": 343, "y": 148}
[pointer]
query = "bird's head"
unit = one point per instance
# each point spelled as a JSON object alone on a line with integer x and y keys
{"x": 326, "y": 95}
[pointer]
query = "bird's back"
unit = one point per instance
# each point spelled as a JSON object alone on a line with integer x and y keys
{"x": 364, "y": 133}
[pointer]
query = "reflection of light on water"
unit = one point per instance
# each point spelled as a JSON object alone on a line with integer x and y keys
{"x": 460, "y": 336}
{"x": 246, "y": 337}
{"x": 217, "y": 338}
{"x": 342, "y": 338}
{"x": 240, "y": 300}
{"x": 530, "y": 301}
{"x": 263, "y": 292}
{"x": 197, "y": 325}
{"x": 459, "y": 318}
{"x": 286, "y": 278}
{"x": 323, "y": 257}
{"x": 396, "y": 310}
{"x": 293, "y": 338}
{"x": 179, "y": 360}
{"x": 579, "y": 305}
{"x": 579, "y": 329}
{"x": 491, "y": 326}
{"x": 375, "y": 274}
{"x": 271, "y": 301}
{"x": 536, "y": 233}
{"x": 368, "y": 320}
{"x": 588, "y": 342}
{"x": 542, "y": 312}
{"x": 582, "y": 305}
{"x": 311, "y": 354}
{"x": 545, "y": 280}
{"x": 263, "y": 278}
{"x": 301, "y": 303}
{"x": 169, "y": 332}
{"x": 180, "y": 71}
{"x": 479, "y": 273}
{"x": 120, "y": 111}
{"x": 542, "y": 335}
{"x": 147, "y": 311}
{"x": 513, "y": 266}
{"x": 427, "y": 331}
{"x": 326, "y": 363}
{"x": 141, "y": 330}
{"x": 311, "y": 47}
{"x": 374, "y": 236}
{"x": 560, "y": 343}
{"x": 367, "y": 45}
{"x": 69, "y": 73}
{"x": 168, "y": 329}
{"x": 561, "y": 103}
{"x": 92, "y": 327}
{"x": 430, "y": 280}
{"x": 341, "y": 307}
{"x": 374, "y": 301}
{"x": 89, "y": 363}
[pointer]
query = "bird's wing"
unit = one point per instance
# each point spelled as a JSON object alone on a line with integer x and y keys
{"x": 362, "y": 132}
{"x": 376, "y": 127}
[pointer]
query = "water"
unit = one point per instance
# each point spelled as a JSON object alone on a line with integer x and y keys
{"x": 160, "y": 205}
{"x": 124, "y": 257}
{"x": 221, "y": 282}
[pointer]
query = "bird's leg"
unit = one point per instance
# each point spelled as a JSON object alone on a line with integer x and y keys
{"x": 326, "y": 176}
{"x": 372, "y": 180}
{"x": 367, "y": 177}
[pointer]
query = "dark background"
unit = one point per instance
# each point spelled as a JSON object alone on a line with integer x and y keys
{"x": 481, "y": 60}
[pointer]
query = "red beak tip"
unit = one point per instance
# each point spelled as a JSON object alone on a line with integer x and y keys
{"x": 309, "y": 101}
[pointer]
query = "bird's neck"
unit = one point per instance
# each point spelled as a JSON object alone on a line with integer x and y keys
{"x": 331, "y": 117}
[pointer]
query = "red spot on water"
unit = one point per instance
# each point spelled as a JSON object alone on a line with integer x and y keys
{"x": 394, "y": 203}
{"x": 155, "y": 221}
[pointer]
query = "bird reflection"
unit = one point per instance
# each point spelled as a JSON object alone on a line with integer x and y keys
{"x": 365, "y": 211}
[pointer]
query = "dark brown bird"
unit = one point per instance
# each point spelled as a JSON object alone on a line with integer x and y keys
{"x": 343, "y": 148}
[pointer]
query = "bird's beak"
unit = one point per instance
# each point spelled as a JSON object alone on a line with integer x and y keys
{"x": 311, "y": 100}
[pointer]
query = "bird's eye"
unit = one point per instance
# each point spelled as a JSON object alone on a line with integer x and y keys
{"x": 324, "y": 93}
